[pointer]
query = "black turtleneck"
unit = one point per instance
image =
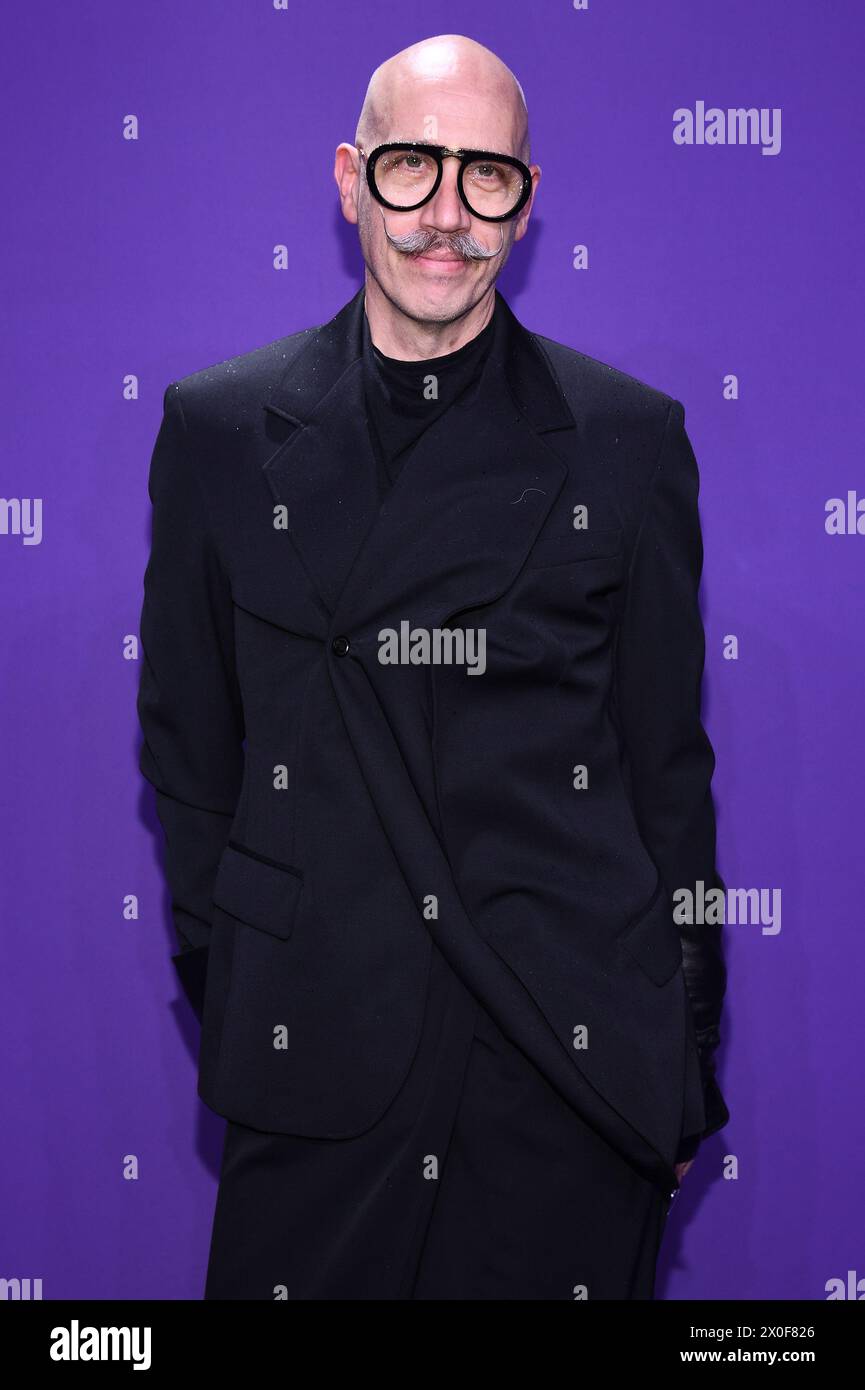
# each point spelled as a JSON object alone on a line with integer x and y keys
{"x": 401, "y": 401}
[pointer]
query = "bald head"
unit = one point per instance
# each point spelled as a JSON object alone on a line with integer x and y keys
{"x": 447, "y": 82}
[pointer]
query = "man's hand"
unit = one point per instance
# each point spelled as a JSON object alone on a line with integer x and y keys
{"x": 682, "y": 1168}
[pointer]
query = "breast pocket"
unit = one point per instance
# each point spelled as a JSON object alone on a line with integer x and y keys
{"x": 257, "y": 890}
{"x": 569, "y": 547}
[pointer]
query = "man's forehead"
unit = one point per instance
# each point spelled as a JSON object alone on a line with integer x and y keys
{"x": 495, "y": 142}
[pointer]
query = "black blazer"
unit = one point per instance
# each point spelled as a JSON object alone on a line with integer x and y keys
{"x": 327, "y": 816}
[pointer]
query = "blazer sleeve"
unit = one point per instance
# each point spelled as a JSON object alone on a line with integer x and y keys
{"x": 189, "y": 704}
{"x": 659, "y": 669}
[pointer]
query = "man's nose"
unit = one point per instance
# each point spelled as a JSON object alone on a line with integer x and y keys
{"x": 446, "y": 211}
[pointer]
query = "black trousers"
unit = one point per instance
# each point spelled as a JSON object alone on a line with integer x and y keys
{"x": 478, "y": 1182}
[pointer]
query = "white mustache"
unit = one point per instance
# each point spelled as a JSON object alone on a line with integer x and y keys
{"x": 419, "y": 242}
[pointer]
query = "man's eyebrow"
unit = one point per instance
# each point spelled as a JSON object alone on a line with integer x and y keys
{"x": 435, "y": 144}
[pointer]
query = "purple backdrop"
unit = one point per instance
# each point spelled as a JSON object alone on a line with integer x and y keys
{"x": 153, "y": 257}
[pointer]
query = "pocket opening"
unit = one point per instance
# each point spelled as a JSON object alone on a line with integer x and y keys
{"x": 257, "y": 890}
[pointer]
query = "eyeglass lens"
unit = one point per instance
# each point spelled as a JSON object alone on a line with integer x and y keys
{"x": 405, "y": 177}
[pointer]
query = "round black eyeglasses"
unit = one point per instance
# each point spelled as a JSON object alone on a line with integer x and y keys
{"x": 403, "y": 176}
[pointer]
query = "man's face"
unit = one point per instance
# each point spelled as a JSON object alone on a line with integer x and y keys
{"x": 442, "y": 276}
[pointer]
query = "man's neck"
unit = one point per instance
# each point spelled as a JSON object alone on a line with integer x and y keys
{"x": 397, "y": 335}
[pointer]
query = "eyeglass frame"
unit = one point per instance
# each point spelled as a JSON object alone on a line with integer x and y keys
{"x": 440, "y": 154}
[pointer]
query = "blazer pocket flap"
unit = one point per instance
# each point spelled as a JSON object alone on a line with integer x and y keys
{"x": 566, "y": 547}
{"x": 257, "y": 890}
{"x": 653, "y": 940}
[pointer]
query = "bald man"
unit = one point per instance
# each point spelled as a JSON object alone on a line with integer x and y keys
{"x": 421, "y": 704}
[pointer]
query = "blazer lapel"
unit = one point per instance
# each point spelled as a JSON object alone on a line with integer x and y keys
{"x": 454, "y": 530}
{"x": 325, "y": 473}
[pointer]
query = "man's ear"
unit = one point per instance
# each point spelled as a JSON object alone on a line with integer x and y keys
{"x": 523, "y": 219}
{"x": 346, "y": 171}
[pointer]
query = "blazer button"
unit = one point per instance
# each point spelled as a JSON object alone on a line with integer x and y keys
{"x": 340, "y": 646}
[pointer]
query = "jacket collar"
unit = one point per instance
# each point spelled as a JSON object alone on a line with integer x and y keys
{"x": 456, "y": 527}
{"x": 339, "y": 343}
